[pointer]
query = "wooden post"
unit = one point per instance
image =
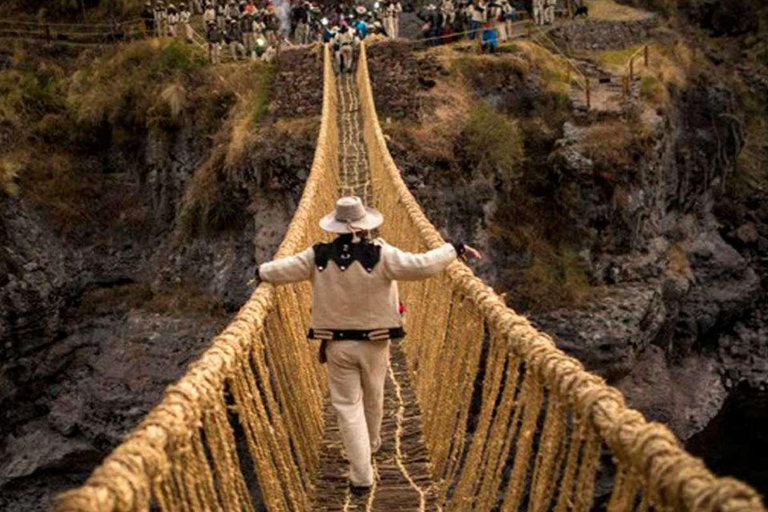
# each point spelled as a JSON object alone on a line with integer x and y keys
{"x": 589, "y": 95}
{"x": 624, "y": 87}
{"x": 647, "y": 56}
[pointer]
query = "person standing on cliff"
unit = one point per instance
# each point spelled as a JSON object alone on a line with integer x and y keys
{"x": 148, "y": 15}
{"x": 213, "y": 37}
{"x": 356, "y": 312}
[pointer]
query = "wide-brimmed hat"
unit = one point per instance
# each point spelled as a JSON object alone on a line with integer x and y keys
{"x": 351, "y": 215}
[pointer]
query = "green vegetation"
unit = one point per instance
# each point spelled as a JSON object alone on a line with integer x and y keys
{"x": 483, "y": 126}
{"x": 652, "y": 90}
{"x": 493, "y": 144}
{"x": 145, "y": 84}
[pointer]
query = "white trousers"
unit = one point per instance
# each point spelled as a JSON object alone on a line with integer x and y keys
{"x": 188, "y": 32}
{"x": 549, "y": 14}
{"x": 356, "y": 374}
{"x": 501, "y": 30}
{"x": 237, "y": 49}
{"x": 347, "y": 54}
{"x": 214, "y": 53}
{"x": 390, "y": 27}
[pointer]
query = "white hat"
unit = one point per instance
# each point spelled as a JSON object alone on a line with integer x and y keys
{"x": 351, "y": 215}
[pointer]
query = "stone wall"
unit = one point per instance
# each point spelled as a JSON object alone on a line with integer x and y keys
{"x": 603, "y": 35}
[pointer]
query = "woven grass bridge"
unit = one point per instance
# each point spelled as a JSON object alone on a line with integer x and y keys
{"x": 483, "y": 411}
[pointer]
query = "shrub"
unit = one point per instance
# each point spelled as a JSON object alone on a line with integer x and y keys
{"x": 9, "y": 172}
{"x": 652, "y": 90}
{"x": 493, "y": 143}
{"x": 213, "y": 202}
{"x": 140, "y": 84}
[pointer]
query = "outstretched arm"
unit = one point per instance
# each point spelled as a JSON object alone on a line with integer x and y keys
{"x": 404, "y": 266}
{"x": 291, "y": 269}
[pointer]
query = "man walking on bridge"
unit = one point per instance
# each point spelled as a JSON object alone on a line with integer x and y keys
{"x": 356, "y": 311}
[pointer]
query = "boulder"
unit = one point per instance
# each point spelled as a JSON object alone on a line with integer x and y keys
{"x": 608, "y": 334}
{"x": 684, "y": 396}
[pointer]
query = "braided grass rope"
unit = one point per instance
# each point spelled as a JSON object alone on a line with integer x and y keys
{"x": 539, "y": 409}
{"x": 183, "y": 454}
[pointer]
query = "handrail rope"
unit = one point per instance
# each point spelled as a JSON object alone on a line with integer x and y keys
{"x": 57, "y": 24}
{"x": 603, "y": 405}
{"x": 634, "y": 55}
{"x": 455, "y": 34}
{"x": 54, "y": 35}
{"x": 544, "y": 35}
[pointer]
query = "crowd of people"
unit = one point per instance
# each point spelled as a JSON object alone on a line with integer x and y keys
{"x": 255, "y": 28}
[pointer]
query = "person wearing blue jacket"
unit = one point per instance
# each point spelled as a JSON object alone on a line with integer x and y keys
{"x": 489, "y": 40}
{"x": 362, "y": 29}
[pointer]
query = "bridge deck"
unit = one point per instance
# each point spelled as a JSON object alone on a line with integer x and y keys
{"x": 403, "y": 478}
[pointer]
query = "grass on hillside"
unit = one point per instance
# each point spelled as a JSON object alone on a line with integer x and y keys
{"x": 494, "y": 144}
{"x": 551, "y": 274}
{"x": 669, "y": 65}
{"x": 609, "y": 10}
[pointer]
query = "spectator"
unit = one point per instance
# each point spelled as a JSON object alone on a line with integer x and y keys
{"x": 489, "y": 42}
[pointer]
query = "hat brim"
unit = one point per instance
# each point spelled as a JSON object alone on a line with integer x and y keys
{"x": 373, "y": 219}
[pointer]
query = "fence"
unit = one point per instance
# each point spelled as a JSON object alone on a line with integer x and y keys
{"x": 82, "y": 33}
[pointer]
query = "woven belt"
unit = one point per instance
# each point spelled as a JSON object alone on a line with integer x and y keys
{"x": 352, "y": 334}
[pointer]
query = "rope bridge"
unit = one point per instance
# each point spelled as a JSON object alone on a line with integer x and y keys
{"x": 508, "y": 420}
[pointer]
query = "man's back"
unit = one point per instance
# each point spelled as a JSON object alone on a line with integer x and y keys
{"x": 354, "y": 283}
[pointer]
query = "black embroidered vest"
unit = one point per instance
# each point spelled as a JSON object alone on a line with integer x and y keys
{"x": 344, "y": 253}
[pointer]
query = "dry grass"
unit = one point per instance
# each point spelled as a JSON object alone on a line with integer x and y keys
{"x": 494, "y": 144}
{"x": 253, "y": 87}
{"x": 139, "y": 84}
{"x": 751, "y": 174}
{"x": 10, "y": 165}
{"x": 175, "y": 97}
{"x": 614, "y": 145}
{"x": 678, "y": 263}
{"x": 449, "y": 106}
{"x": 670, "y": 64}
{"x": 112, "y": 99}
{"x": 553, "y": 68}
{"x": 609, "y": 10}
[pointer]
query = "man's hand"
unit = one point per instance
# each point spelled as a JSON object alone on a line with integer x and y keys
{"x": 471, "y": 253}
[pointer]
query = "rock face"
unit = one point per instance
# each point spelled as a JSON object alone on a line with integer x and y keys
{"x": 685, "y": 396}
{"x": 609, "y": 334}
{"x": 603, "y": 35}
